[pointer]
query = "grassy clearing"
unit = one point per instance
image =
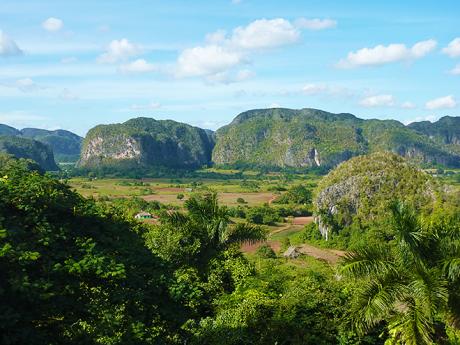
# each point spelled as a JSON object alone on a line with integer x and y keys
{"x": 254, "y": 190}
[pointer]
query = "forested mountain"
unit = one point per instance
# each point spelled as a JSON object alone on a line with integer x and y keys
{"x": 21, "y": 147}
{"x": 66, "y": 145}
{"x": 445, "y": 131}
{"x": 144, "y": 142}
{"x": 309, "y": 137}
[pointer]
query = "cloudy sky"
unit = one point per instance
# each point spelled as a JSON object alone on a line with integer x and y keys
{"x": 74, "y": 64}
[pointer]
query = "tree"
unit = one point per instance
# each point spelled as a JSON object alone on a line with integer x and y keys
{"x": 200, "y": 234}
{"x": 74, "y": 272}
{"x": 403, "y": 284}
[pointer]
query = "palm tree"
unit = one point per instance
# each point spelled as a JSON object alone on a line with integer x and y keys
{"x": 207, "y": 228}
{"x": 400, "y": 283}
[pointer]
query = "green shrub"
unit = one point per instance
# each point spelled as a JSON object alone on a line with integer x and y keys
{"x": 266, "y": 252}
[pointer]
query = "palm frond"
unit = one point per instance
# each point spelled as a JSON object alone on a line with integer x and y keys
{"x": 374, "y": 301}
{"x": 412, "y": 327}
{"x": 245, "y": 233}
{"x": 430, "y": 292}
{"x": 366, "y": 261}
{"x": 451, "y": 268}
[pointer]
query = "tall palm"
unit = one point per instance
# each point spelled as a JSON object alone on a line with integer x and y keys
{"x": 211, "y": 223}
{"x": 400, "y": 283}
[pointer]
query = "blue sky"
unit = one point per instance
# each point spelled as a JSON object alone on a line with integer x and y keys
{"x": 75, "y": 64}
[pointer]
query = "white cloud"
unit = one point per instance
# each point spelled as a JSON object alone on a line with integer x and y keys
{"x": 441, "y": 103}
{"x": 380, "y": 55}
{"x": 228, "y": 78}
{"x": 27, "y": 85}
{"x": 53, "y": 24}
{"x": 315, "y": 23}
{"x": 8, "y": 47}
{"x": 137, "y": 66}
{"x": 378, "y": 101}
{"x": 206, "y": 60}
{"x": 68, "y": 95}
{"x": 311, "y": 89}
{"x": 455, "y": 70}
{"x": 119, "y": 50}
{"x": 24, "y": 85}
{"x": 216, "y": 37}
{"x": 264, "y": 34}
{"x": 408, "y": 105}
{"x": 453, "y": 49}
{"x": 274, "y": 105}
{"x": 150, "y": 106}
{"x": 223, "y": 52}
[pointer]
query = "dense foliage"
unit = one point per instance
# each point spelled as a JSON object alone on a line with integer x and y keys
{"x": 80, "y": 271}
{"x": 412, "y": 282}
{"x": 309, "y": 137}
{"x": 353, "y": 200}
{"x": 73, "y": 272}
{"x": 21, "y": 147}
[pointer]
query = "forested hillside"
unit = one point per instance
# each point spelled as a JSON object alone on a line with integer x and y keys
{"x": 28, "y": 148}
{"x": 145, "y": 142}
{"x": 309, "y": 137}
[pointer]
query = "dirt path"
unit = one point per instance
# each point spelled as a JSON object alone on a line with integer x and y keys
{"x": 329, "y": 255}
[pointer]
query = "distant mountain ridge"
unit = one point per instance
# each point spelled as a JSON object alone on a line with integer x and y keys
{"x": 310, "y": 137}
{"x": 275, "y": 137}
{"x": 66, "y": 146}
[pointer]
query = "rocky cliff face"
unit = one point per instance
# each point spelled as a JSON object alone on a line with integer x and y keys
{"x": 309, "y": 137}
{"x": 20, "y": 147}
{"x": 144, "y": 142}
{"x": 361, "y": 190}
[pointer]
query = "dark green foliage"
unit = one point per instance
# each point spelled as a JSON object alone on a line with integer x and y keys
{"x": 241, "y": 201}
{"x": 202, "y": 246}
{"x": 71, "y": 272}
{"x": 410, "y": 283}
{"x": 66, "y": 145}
{"x": 30, "y": 149}
{"x": 309, "y": 138}
{"x": 280, "y": 305}
{"x": 263, "y": 215}
{"x": 298, "y": 194}
{"x": 7, "y": 130}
